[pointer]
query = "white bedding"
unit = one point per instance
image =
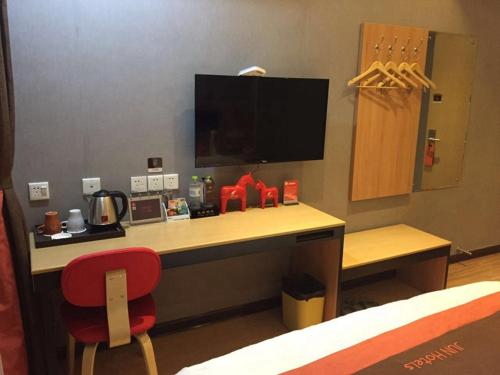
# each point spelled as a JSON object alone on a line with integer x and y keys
{"x": 298, "y": 348}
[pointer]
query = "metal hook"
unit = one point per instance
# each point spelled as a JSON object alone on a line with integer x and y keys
{"x": 378, "y": 45}
{"x": 403, "y": 48}
{"x": 391, "y": 46}
{"x": 415, "y": 50}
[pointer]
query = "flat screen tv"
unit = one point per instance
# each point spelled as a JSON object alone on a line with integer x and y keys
{"x": 247, "y": 120}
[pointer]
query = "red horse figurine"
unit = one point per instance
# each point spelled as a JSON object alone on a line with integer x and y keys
{"x": 267, "y": 193}
{"x": 238, "y": 191}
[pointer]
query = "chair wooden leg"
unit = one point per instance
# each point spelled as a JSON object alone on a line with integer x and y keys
{"x": 70, "y": 354}
{"x": 88, "y": 359}
{"x": 147, "y": 352}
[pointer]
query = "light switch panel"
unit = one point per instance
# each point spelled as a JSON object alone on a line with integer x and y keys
{"x": 39, "y": 191}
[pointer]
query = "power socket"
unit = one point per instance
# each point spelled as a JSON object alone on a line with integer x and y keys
{"x": 39, "y": 191}
{"x": 155, "y": 183}
{"x": 171, "y": 181}
{"x": 91, "y": 185}
{"x": 139, "y": 184}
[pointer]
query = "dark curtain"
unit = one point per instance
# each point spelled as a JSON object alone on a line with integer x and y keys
{"x": 12, "y": 346}
{"x": 12, "y": 212}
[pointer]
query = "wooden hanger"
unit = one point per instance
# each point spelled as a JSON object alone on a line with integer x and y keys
{"x": 420, "y": 72}
{"x": 371, "y": 79}
{"x": 379, "y": 68}
{"x": 374, "y": 67}
{"x": 392, "y": 68}
{"x": 404, "y": 67}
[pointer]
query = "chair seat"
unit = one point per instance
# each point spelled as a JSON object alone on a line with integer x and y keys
{"x": 90, "y": 325}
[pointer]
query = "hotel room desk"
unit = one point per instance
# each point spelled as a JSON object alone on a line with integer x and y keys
{"x": 316, "y": 239}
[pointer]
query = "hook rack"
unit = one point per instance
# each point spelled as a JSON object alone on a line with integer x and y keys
{"x": 390, "y": 71}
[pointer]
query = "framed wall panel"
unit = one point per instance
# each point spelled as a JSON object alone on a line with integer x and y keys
{"x": 387, "y": 120}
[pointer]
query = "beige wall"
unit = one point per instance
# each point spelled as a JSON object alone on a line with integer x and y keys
{"x": 469, "y": 214}
{"x": 92, "y": 75}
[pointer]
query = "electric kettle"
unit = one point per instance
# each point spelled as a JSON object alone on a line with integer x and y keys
{"x": 103, "y": 208}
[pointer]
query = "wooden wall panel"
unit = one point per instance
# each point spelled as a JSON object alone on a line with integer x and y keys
{"x": 386, "y": 120}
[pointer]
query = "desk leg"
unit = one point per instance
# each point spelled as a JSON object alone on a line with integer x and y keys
{"x": 46, "y": 311}
{"x": 428, "y": 275}
{"x": 321, "y": 259}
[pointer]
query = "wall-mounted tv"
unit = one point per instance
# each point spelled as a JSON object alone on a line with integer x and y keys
{"x": 247, "y": 120}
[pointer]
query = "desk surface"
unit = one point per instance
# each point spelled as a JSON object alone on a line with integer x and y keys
{"x": 375, "y": 245}
{"x": 233, "y": 227}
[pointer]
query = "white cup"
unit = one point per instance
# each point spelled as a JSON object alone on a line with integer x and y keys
{"x": 75, "y": 222}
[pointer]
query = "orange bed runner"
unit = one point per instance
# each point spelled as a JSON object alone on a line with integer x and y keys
{"x": 391, "y": 343}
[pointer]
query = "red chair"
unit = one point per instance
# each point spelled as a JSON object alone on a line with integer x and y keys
{"x": 108, "y": 300}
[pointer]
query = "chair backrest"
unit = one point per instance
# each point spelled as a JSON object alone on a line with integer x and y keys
{"x": 83, "y": 280}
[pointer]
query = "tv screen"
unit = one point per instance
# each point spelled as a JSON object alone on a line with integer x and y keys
{"x": 246, "y": 120}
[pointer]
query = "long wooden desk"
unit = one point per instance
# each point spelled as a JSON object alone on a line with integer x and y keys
{"x": 420, "y": 258}
{"x": 316, "y": 239}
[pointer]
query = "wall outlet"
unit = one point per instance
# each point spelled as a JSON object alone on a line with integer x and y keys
{"x": 39, "y": 191}
{"x": 139, "y": 184}
{"x": 171, "y": 181}
{"x": 91, "y": 185}
{"x": 155, "y": 182}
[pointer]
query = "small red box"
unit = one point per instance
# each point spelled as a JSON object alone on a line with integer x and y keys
{"x": 291, "y": 192}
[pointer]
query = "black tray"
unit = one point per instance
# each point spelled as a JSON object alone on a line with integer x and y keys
{"x": 91, "y": 234}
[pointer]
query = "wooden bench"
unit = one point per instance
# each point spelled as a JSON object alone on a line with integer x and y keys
{"x": 420, "y": 258}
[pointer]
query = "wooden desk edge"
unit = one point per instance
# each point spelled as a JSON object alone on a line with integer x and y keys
{"x": 336, "y": 225}
{"x": 377, "y": 260}
{"x": 393, "y": 226}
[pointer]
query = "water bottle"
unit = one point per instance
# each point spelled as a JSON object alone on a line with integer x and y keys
{"x": 195, "y": 192}
{"x": 210, "y": 195}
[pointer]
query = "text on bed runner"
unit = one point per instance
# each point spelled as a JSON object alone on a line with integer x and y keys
{"x": 441, "y": 354}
